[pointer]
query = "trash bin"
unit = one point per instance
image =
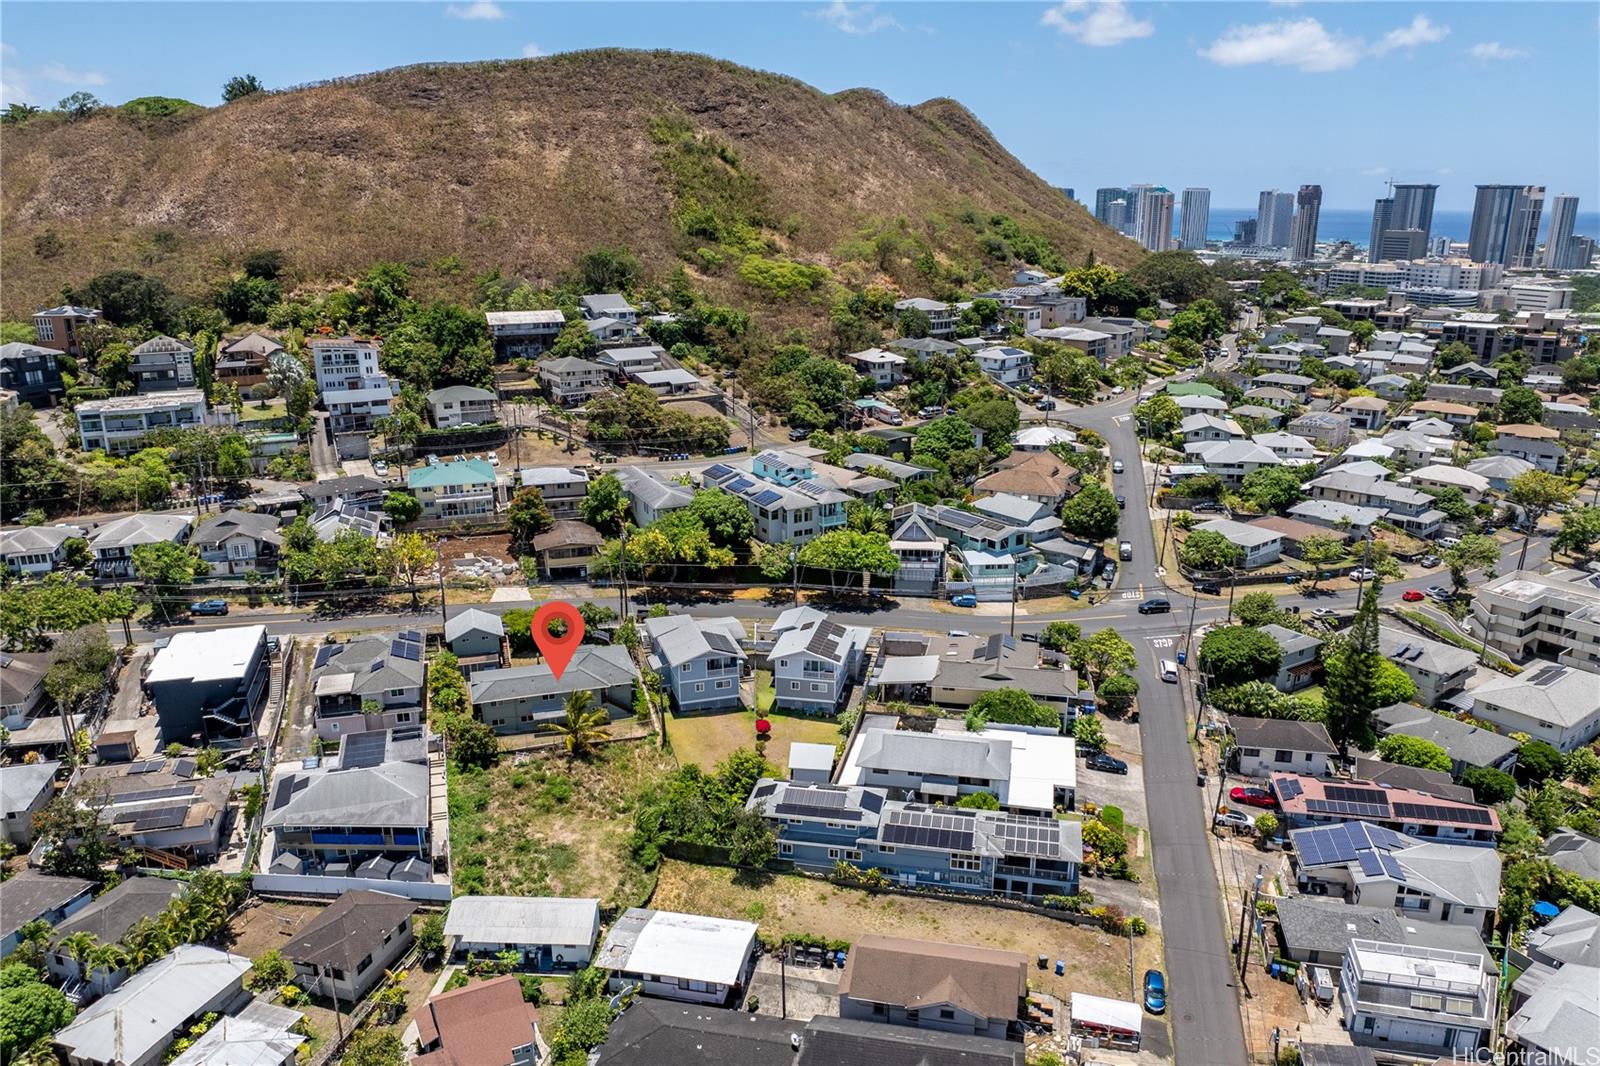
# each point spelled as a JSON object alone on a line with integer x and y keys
{"x": 1061, "y": 967}
{"x": 1183, "y": 657}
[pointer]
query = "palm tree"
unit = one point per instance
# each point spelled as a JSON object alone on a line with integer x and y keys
{"x": 108, "y": 957}
{"x": 585, "y": 725}
{"x": 79, "y": 947}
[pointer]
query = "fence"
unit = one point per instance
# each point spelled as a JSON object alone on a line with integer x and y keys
{"x": 320, "y": 885}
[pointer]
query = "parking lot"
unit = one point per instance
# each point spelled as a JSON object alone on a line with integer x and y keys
{"x": 797, "y": 992}
{"x": 1118, "y": 790}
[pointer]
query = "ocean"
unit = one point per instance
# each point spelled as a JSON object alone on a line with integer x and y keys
{"x": 1355, "y": 226}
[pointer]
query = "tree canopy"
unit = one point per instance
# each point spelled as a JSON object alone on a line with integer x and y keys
{"x": 1232, "y": 655}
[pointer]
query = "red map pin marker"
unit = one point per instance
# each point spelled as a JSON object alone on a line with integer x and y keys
{"x": 557, "y": 651}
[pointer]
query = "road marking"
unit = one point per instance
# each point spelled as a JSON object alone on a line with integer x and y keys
{"x": 1161, "y": 642}
{"x": 1119, "y": 419}
{"x": 1129, "y": 596}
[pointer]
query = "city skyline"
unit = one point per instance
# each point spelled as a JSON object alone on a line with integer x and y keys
{"x": 1219, "y": 61}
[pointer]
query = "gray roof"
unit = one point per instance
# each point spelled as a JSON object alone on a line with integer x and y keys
{"x": 655, "y": 1032}
{"x": 161, "y": 345}
{"x": 260, "y": 1035}
{"x": 654, "y": 492}
{"x": 1289, "y": 640}
{"x": 592, "y": 668}
{"x": 1241, "y": 533}
{"x": 826, "y": 639}
{"x": 1548, "y": 692}
{"x": 1332, "y": 511}
{"x": 139, "y": 529}
{"x": 391, "y": 794}
{"x": 935, "y": 754}
{"x": 352, "y": 927}
{"x": 459, "y": 393}
{"x": 31, "y": 894}
{"x": 1436, "y": 657}
{"x": 572, "y": 364}
{"x": 111, "y": 915}
{"x": 371, "y": 665}
{"x": 1464, "y": 742}
{"x": 1466, "y": 875}
{"x": 252, "y": 524}
{"x": 1573, "y": 936}
{"x": 605, "y": 302}
{"x": 829, "y": 1041}
{"x": 679, "y": 639}
{"x": 1336, "y": 1055}
{"x": 1322, "y": 924}
{"x": 1395, "y": 775}
{"x": 355, "y": 485}
{"x": 22, "y": 350}
{"x": 21, "y": 783}
{"x": 473, "y": 620}
{"x": 523, "y": 920}
{"x": 1282, "y": 733}
{"x": 1500, "y": 466}
{"x": 1574, "y": 852}
{"x": 31, "y": 540}
{"x": 1563, "y": 1016}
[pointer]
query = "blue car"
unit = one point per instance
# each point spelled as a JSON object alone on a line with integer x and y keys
{"x": 965, "y": 599}
{"x": 1155, "y": 992}
{"x": 209, "y": 607}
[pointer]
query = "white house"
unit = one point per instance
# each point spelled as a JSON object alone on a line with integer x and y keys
{"x": 814, "y": 660}
{"x": 1008, "y": 366}
{"x": 1539, "y": 445}
{"x": 33, "y": 550}
{"x": 884, "y": 368}
{"x": 114, "y": 542}
{"x": 688, "y": 957}
{"x": 1292, "y": 449}
{"x": 570, "y": 381}
{"x": 1260, "y": 546}
{"x": 523, "y": 334}
{"x": 1272, "y": 745}
{"x": 1553, "y": 703}
{"x": 1416, "y": 999}
{"x": 460, "y": 405}
{"x": 562, "y": 487}
{"x": 1232, "y": 460}
{"x": 119, "y": 425}
{"x": 547, "y": 932}
{"x": 344, "y": 363}
{"x": 1438, "y": 669}
{"x": 1201, "y": 427}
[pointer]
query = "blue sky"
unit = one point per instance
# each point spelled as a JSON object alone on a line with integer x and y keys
{"x": 1236, "y": 97}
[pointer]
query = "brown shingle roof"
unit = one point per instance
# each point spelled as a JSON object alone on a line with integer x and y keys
{"x": 477, "y": 1025}
{"x": 1038, "y": 474}
{"x": 568, "y": 534}
{"x": 920, "y": 973}
{"x": 349, "y": 930}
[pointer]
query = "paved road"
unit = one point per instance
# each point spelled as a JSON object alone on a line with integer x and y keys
{"x": 1204, "y": 1005}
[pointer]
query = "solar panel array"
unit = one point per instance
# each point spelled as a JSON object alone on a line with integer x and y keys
{"x": 1432, "y": 813}
{"x": 1548, "y": 675}
{"x": 716, "y": 470}
{"x": 1288, "y": 788}
{"x": 1346, "y": 794}
{"x": 286, "y": 788}
{"x": 820, "y": 802}
{"x": 1029, "y": 836}
{"x": 151, "y": 794}
{"x": 739, "y": 484}
{"x": 1348, "y": 810}
{"x": 766, "y": 498}
{"x": 413, "y": 635}
{"x": 184, "y": 768}
{"x": 409, "y": 650}
{"x": 363, "y": 749}
{"x": 925, "y": 829}
{"x": 146, "y": 766}
{"x": 325, "y": 653}
{"x": 765, "y": 789}
{"x": 159, "y": 818}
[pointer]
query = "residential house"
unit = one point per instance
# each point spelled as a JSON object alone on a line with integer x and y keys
{"x": 1269, "y": 416}
{"x": 1478, "y": 396}
{"x": 1197, "y": 428}
{"x": 1041, "y": 438}
{"x": 1019, "y": 856}
{"x": 1571, "y": 938}
{"x": 1301, "y": 661}
{"x": 480, "y": 1024}
{"x": 1199, "y": 403}
{"x": 354, "y": 412}
{"x": 337, "y": 515}
{"x": 1037, "y": 476}
{"x": 114, "y": 542}
{"x": 135, "y": 1024}
{"x": 209, "y": 684}
{"x": 567, "y": 550}
{"x": 687, "y": 957}
{"x": 119, "y": 425}
{"x": 811, "y": 762}
{"x": 673, "y": 382}
{"x": 33, "y": 373}
{"x": 1297, "y": 386}
{"x": 1124, "y": 333}
{"x": 461, "y": 405}
{"x": 344, "y": 952}
{"x": 1553, "y": 703}
{"x": 1270, "y": 396}
{"x": 1305, "y": 801}
{"x": 1293, "y": 450}
{"x": 474, "y": 633}
{"x": 161, "y": 806}
{"x": 924, "y": 348}
{"x": 25, "y": 789}
{"x": 1574, "y": 853}
{"x": 108, "y": 919}
{"x": 1440, "y": 670}
{"x": 1431, "y": 427}
{"x": 342, "y": 363}
{"x": 357, "y": 490}
{"x": 341, "y": 821}
{"x": 921, "y": 552}
{"x": 607, "y": 330}
{"x": 547, "y": 932}
{"x": 1317, "y": 931}
{"x": 632, "y": 362}
{"x": 1030, "y": 771}
{"x": 941, "y": 316}
{"x": 1294, "y": 532}
{"x": 1286, "y": 355}
{"x": 33, "y": 550}
{"x": 1391, "y": 387}
{"x": 1260, "y": 547}
{"x": 1334, "y": 339}
{"x": 1365, "y": 412}
{"x": 242, "y": 361}
{"x": 815, "y": 660}
{"x": 369, "y": 683}
{"x": 963, "y": 668}
{"x": 1095, "y": 343}
{"x": 526, "y": 699}
{"x": 523, "y": 334}
{"x": 239, "y": 542}
{"x": 563, "y": 488}
{"x": 1559, "y": 1020}
{"x": 1465, "y": 743}
{"x": 1416, "y": 999}
{"x": 570, "y": 381}
{"x": 783, "y": 514}
{"x": 1458, "y": 415}
{"x": 700, "y": 660}
{"x": 262, "y": 1034}
{"x": 1408, "y": 508}
{"x": 1036, "y": 520}
{"x": 1539, "y": 445}
{"x": 885, "y": 369}
{"x": 162, "y": 364}
{"x": 455, "y": 489}
{"x": 1325, "y": 427}
{"x": 1347, "y": 520}
{"x": 927, "y": 985}
{"x": 32, "y": 896}
{"x": 59, "y": 328}
{"x": 1419, "y": 779}
{"x": 898, "y": 470}
{"x": 653, "y": 497}
{"x": 1007, "y": 365}
{"x": 1412, "y": 448}
{"x": 608, "y": 305}
{"x": 1439, "y": 476}
{"x": 1269, "y": 746}
{"x": 1232, "y": 460}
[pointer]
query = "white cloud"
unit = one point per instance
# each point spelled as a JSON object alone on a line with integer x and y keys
{"x": 63, "y": 75}
{"x": 1490, "y": 51}
{"x": 1375, "y": 172}
{"x": 1304, "y": 44}
{"x": 531, "y": 51}
{"x": 855, "y": 18}
{"x": 1421, "y": 31}
{"x": 19, "y": 83}
{"x": 480, "y": 10}
{"x": 1102, "y": 23}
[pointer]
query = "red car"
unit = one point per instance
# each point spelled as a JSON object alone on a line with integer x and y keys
{"x": 1412, "y": 596}
{"x": 1252, "y": 797}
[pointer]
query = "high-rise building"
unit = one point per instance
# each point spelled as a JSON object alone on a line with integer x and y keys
{"x": 1135, "y": 199}
{"x": 1505, "y": 224}
{"x": 1580, "y": 251}
{"x": 1303, "y": 231}
{"x": 1382, "y": 212}
{"x": 1398, "y": 244}
{"x": 1413, "y": 208}
{"x": 1102, "y": 203}
{"x": 1439, "y": 246}
{"x": 1155, "y": 218}
{"x": 1196, "y": 218}
{"x": 1244, "y": 231}
{"x": 1563, "y": 217}
{"x": 1274, "y": 217}
{"x": 1117, "y": 215}
{"x": 1072, "y": 194}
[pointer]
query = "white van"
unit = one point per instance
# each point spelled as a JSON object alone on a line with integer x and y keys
{"x": 1169, "y": 671}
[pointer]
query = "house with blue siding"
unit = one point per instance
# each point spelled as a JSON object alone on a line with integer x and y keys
{"x": 700, "y": 659}
{"x": 1029, "y": 770}
{"x": 787, "y": 508}
{"x": 917, "y": 845}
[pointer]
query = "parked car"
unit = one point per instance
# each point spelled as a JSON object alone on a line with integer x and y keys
{"x": 797, "y": 433}
{"x": 1125, "y": 550}
{"x": 1116, "y": 466}
{"x": 1431, "y": 561}
{"x": 1363, "y": 574}
{"x": 1324, "y": 612}
{"x": 1210, "y": 588}
{"x": 1412, "y": 596}
{"x": 1236, "y": 820}
{"x": 493, "y": 457}
{"x": 1106, "y": 764}
{"x": 1207, "y": 507}
{"x": 1448, "y": 542}
{"x": 1109, "y": 571}
{"x": 1031, "y": 638}
{"x": 964, "y": 599}
{"x": 209, "y": 607}
{"x": 1122, "y": 501}
{"x": 1156, "y": 605}
{"x": 433, "y": 460}
{"x": 1046, "y": 404}
{"x": 1440, "y": 593}
{"x": 1251, "y": 797}
{"x": 1155, "y": 992}
{"x": 1117, "y": 390}
{"x": 930, "y": 412}
{"x": 380, "y": 468}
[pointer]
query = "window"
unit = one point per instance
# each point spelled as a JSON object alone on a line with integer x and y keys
{"x": 699, "y": 686}
{"x": 818, "y": 687}
{"x": 885, "y": 849}
{"x": 785, "y": 849}
{"x": 965, "y": 862}
{"x": 1283, "y": 756}
{"x": 946, "y": 1014}
{"x": 724, "y": 684}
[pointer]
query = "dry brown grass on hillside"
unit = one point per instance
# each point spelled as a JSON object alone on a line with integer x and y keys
{"x": 518, "y": 165}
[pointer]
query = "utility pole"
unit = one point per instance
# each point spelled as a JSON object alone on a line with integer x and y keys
{"x": 1251, "y": 899}
{"x": 1013, "y": 596}
{"x": 623, "y": 568}
{"x": 444, "y": 615}
{"x": 1233, "y": 582}
{"x": 752, "y": 409}
{"x": 794, "y": 574}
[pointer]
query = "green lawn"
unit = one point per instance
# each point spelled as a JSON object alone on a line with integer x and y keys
{"x": 766, "y": 694}
{"x": 707, "y": 739}
{"x": 254, "y": 412}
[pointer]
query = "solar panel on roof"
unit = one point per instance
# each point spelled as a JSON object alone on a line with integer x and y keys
{"x": 718, "y": 470}
{"x": 324, "y": 653}
{"x": 1289, "y": 788}
{"x": 148, "y": 795}
{"x": 739, "y": 484}
{"x": 1370, "y": 865}
{"x": 160, "y": 818}
{"x": 412, "y": 635}
{"x": 1345, "y": 794}
{"x": 363, "y": 749}
{"x": 1391, "y": 865}
{"x": 184, "y": 768}
{"x": 766, "y": 498}
{"x": 146, "y": 766}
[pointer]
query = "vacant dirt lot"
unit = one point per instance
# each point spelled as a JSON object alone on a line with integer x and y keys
{"x": 1096, "y": 962}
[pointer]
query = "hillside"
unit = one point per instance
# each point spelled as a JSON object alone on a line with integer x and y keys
{"x": 525, "y": 165}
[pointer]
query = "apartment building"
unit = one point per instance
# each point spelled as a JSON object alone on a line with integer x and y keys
{"x": 570, "y": 381}
{"x": 120, "y": 424}
{"x": 523, "y": 334}
{"x": 1551, "y": 616}
{"x": 340, "y": 363}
